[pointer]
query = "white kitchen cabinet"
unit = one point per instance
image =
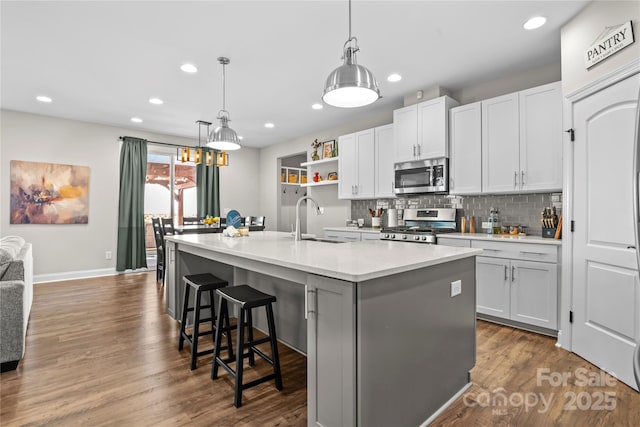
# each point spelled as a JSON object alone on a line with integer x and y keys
{"x": 465, "y": 136}
{"x": 522, "y": 141}
{"x": 500, "y": 144}
{"x": 357, "y": 165}
{"x": 541, "y": 138}
{"x": 331, "y": 351}
{"x": 421, "y": 131}
{"x": 350, "y": 236}
{"x": 405, "y": 133}
{"x": 384, "y": 172}
{"x": 515, "y": 281}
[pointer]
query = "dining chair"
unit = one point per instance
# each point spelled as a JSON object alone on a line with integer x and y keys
{"x": 159, "y": 239}
{"x": 167, "y": 226}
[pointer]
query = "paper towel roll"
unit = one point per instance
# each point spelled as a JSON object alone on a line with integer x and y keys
{"x": 392, "y": 217}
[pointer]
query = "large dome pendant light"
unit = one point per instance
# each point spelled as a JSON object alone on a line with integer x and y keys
{"x": 351, "y": 85}
{"x": 223, "y": 138}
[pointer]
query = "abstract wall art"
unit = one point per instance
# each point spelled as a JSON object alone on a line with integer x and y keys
{"x": 48, "y": 193}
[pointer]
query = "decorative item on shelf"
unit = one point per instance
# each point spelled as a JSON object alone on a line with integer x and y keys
{"x": 283, "y": 177}
{"x": 332, "y": 176}
{"x": 315, "y": 145}
{"x": 350, "y": 85}
{"x": 317, "y": 177}
{"x": 334, "y": 153}
{"x": 327, "y": 149}
{"x": 303, "y": 179}
{"x": 293, "y": 178}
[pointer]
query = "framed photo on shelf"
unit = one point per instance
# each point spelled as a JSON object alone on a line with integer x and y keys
{"x": 327, "y": 149}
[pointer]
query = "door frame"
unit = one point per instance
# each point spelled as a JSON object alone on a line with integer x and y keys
{"x": 565, "y": 328}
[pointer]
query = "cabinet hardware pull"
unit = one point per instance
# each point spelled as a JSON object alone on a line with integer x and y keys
{"x": 533, "y": 253}
{"x": 307, "y": 291}
{"x": 513, "y": 273}
{"x": 414, "y": 150}
{"x": 356, "y": 189}
{"x": 419, "y": 151}
{"x": 515, "y": 179}
{"x": 505, "y": 273}
{"x": 631, "y": 247}
{"x": 521, "y": 178}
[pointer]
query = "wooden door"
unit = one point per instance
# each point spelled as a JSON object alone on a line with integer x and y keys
{"x": 606, "y": 290}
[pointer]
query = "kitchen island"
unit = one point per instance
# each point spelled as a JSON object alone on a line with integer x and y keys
{"x": 386, "y": 342}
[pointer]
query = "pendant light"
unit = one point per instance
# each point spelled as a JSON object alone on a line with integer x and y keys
{"x": 223, "y": 138}
{"x": 351, "y": 85}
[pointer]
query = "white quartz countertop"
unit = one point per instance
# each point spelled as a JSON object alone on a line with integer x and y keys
{"x": 350, "y": 261}
{"x": 501, "y": 238}
{"x": 357, "y": 230}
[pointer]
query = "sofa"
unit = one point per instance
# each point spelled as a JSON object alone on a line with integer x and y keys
{"x": 16, "y": 296}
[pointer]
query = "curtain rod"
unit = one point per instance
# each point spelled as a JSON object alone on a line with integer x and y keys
{"x": 121, "y": 138}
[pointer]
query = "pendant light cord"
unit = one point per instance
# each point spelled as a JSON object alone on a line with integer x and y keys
{"x": 351, "y": 38}
{"x": 349, "y": 20}
{"x": 224, "y": 93}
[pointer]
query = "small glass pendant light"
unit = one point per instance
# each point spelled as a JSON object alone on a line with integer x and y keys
{"x": 351, "y": 85}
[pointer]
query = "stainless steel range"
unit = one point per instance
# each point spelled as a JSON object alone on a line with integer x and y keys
{"x": 421, "y": 225}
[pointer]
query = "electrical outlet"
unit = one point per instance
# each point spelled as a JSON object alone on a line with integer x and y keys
{"x": 485, "y": 224}
{"x": 456, "y": 288}
{"x": 107, "y": 255}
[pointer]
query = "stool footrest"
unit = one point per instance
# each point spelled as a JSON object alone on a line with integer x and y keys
{"x": 259, "y": 381}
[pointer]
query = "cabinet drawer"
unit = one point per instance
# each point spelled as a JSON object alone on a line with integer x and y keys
{"x": 460, "y": 243}
{"x": 370, "y": 236}
{"x": 347, "y": 236}
{"x": 521, "y": 251}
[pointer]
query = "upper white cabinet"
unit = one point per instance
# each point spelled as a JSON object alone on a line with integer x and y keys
{"x": 356, "y": 165}
{"x": 522, "y": 141}
{"x": 421, "y": 131}
{"x": 541, "y": 138}
{"x": 465, "y": 136}
{"x": 384, "y": 172}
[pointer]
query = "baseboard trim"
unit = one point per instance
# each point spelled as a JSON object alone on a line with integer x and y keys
{"x": 82, "y": 274}
{"x": 448, "y": 403}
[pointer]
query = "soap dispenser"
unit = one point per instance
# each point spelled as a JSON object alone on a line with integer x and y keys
{"x": 493, "y": 220}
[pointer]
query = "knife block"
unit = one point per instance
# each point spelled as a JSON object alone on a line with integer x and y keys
{"x": 549, "y": 232}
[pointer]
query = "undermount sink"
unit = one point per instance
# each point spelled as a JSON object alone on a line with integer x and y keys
{"x": 315, "y": 239}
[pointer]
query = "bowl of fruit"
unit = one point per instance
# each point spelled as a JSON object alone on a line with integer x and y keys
{"x": 211, "y": 220}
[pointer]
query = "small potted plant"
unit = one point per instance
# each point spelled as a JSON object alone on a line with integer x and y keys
{"x": 315, "y": 145}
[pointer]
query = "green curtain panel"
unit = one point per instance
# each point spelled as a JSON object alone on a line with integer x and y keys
{"x": 133, "y": 171}
{"x": 208, "y": 190}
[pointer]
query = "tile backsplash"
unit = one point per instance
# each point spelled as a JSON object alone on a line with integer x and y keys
{"x": 513, "y": 209}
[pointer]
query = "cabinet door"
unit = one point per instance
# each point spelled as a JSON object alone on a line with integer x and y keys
{"x": 459, "y": 243}
{"x": 433, "y": 127}
{"x": 384, "y": 162}
{"x": 174, "y": 308}
{"x": 500, "y": 144}
{"x": 465, "y": 164}
{"x": 331, "y": 352}
{"x": 347, "y": 166}
{"x": 492, "y": 285}
{"x": 366, "y": 162}
{"x": 370, "y": 236}
{"x": 534, "y": 293}
{"x": 541, "y": 138}
{"x": 405, "y": 133}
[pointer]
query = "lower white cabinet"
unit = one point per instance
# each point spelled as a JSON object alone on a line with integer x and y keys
{"x": 515, "y": 281}
{"x": 350, "y": 236}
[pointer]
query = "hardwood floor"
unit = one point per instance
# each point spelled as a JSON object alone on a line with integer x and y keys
{"x": 103, "y": 352}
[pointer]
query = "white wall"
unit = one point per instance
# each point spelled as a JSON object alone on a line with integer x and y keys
{"x": 79, "y": 249}
{"x": 583, "y": 30}
{"x": 336, "y": 211}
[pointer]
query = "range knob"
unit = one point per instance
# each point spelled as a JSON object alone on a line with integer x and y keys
{"x": 424, "y": 238}
{"x": 393, "y": 236}
{"x": 416, "y": 238}
{"x": 386, "y": 236}
{"x": 404, "y": 237}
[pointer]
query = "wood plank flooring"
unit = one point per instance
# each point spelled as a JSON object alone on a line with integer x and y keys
{"x": 102, "y": 351}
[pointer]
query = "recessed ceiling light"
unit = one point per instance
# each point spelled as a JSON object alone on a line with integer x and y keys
{"x": 535, "y": 22}
{"x": 317, "y": 106}
{"x": 136, "y": 119}
{"x": 240, "y": 137}
{"x": 156, "y": 101}
{"x": 43, "y": 98}
{"x": 189, "y": 68}
{"x": 394, "y": 77}
{"x": 269, "y": 125}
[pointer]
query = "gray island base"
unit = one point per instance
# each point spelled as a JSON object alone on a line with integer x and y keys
{"x": 386, "y": 342}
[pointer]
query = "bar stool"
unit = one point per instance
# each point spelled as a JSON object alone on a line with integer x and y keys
{"x": 246, "y": 298}
{"x": 204, "y": 282}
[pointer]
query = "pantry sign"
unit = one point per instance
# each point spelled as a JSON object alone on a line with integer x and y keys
{"x": 614, "y": 41}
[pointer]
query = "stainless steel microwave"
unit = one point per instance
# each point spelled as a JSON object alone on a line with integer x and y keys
{"x": 422, "y": 176}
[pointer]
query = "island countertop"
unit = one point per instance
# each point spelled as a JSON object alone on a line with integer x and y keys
{"x": 350, "y": 261}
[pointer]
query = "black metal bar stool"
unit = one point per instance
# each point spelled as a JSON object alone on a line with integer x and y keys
{"x": 204, "y": 282}
{"x": 246, "y": 298}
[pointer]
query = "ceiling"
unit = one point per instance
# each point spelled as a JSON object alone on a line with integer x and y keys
{"x": 102, "y": 61}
